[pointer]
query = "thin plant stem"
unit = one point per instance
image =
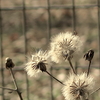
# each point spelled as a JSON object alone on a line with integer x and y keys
{"x": 71, "y": 66}
{"x": 8, "y": 88}
{"x": 89, "y": 68}
{"x": 15, "y": 84}
{"x": 95, "y": 91}
{"x": 54, "y": 78}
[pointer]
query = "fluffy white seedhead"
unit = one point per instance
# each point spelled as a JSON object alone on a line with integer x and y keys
{"x": 37, "y": 63}
{"x": 78, "y": 87}
{"x": 63, "y": 46}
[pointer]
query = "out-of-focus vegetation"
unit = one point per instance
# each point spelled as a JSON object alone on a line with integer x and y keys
{"x": 37, "y": 38}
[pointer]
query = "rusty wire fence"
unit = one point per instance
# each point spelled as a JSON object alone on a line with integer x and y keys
{"x": 77, "y": 16}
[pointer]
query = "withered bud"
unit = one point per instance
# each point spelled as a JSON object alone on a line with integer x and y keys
{"x": 9, "y": 63}
{"x": 89, "y": 55}
{"x": 42, "y": 66}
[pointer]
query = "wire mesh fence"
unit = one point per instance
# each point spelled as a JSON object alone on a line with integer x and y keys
{"x": 27, "y": 26}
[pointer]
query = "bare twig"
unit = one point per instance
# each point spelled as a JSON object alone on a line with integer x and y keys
{"x": 15, "y": 83}
{"x": 8, "y": 88}
{"x": 71, "y": 66}
{"x": 95, "y": 91}
{"x": 54, "y": 78}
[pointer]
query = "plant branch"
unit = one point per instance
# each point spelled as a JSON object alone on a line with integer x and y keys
{"x": 95, "y": 91}
{"x": 15, "y": 83}
{"x": 71, "y": 66}
{"x": 54, "y": 78}
{"x": 8, "y": 89}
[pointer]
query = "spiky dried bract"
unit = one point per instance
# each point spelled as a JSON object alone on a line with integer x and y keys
{"x": 64, "y": 45}
{"x": 37, "y": 63}
{"x": 78, "y": 86}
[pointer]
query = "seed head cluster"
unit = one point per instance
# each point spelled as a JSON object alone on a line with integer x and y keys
{"x": 37, "y": 63}
{"x": 78, "y": 86}
{"x": 63, "y": 46}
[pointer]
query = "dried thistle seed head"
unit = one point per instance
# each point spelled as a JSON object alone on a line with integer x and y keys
{"x": 37, "y": 63}
{"x": 89, "y": 55}
{"x": 9, "y": 63}
{"x": 78, "y": 86}
{"x": 64, "y": 46}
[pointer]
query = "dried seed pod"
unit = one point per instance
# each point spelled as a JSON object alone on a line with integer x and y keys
{"x": 78, "y": 87}
{"x": 64, "y": 45}
{"x": 89, "y": 55}
{"x": 9, "y": 63}
{"x": 42, "y": 66}
{"x": 37, "y": 63}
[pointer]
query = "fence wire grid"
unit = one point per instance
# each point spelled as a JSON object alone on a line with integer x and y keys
{"x": 26, "y": 26}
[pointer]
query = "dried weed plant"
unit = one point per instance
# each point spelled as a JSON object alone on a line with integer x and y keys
{"x": 63, "y": 46}
{"x": 9, "y": 65}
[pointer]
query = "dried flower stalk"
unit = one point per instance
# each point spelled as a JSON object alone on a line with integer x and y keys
{"x": 89, "y": 56}
{"x": 9, "y": 65}
{"x": 38, "y": 64}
